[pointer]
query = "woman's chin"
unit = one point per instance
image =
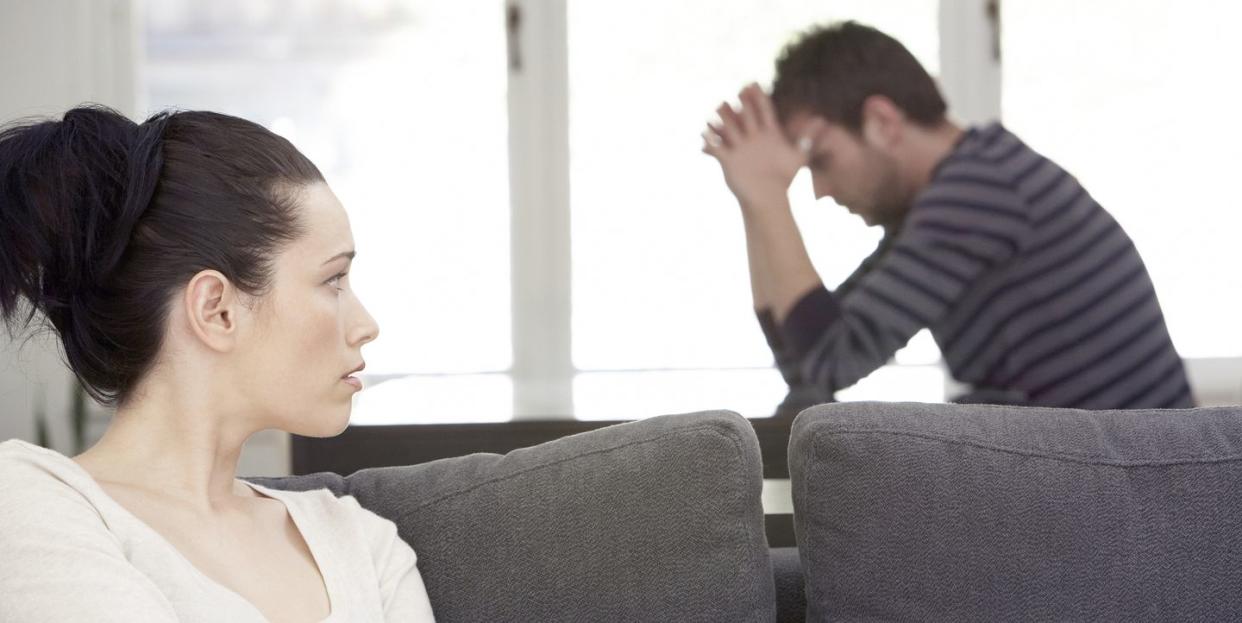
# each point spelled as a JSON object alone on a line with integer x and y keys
{"x": 326, "y": 425}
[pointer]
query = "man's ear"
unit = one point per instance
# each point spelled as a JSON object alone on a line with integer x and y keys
{"x": 882, "y": 121}
{"x": 211, "y": 306}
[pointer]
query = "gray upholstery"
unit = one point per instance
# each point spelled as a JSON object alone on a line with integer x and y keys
{"x": 655, "y": 520}
{"x": 954, "y": 512}
{"x": 787, "y": 575}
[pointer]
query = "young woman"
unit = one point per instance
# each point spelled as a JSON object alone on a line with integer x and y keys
{"x": 196, "y": 269}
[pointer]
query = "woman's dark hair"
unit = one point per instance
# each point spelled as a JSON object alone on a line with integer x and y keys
{"x": 102, "y": 220}
{"x": 831, "y": 70}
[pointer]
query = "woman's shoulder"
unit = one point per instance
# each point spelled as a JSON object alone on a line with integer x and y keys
{"x": 25, "y": 466}
{"x": 310, "y": 500}
{"x": 320, "y": 504}
{"x": 15, "y": 448}
{"x": 329, "y": 511}
{"x": 43, "y": 492}
{"x": 52, "y": 533}
{"x": 366, "y": 543}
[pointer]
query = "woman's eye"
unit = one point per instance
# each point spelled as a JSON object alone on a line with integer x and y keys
{"x": 335, "y": 281}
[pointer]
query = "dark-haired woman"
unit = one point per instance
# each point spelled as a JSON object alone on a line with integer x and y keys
{"x": 196, "y": 269}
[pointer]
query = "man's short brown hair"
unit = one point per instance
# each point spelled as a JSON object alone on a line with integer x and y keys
{"x": 831, "y": 70}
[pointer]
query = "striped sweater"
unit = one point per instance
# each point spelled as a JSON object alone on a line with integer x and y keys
{"x": 1033, "y": 292}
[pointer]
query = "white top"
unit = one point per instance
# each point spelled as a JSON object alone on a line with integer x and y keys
{"x": 69, "y": 552}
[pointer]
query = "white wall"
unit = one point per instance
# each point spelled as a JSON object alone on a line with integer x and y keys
{"x": 1216, "y": 381}
{"x": 970, "y": 69}
{"x": 58, "y": 53}
{"x": 55, "y": 54}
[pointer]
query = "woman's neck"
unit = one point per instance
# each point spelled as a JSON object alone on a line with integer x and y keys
{"x": 175, "y": 445}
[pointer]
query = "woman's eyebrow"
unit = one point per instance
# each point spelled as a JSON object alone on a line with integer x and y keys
{"x": 348, "y": 255}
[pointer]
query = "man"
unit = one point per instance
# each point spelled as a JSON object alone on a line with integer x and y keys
{"x": 1033, "y": 292}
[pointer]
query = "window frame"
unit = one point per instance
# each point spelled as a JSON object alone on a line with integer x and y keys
{"x": 543, "y": 370}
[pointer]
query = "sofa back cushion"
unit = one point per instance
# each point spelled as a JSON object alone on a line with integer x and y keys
{"x": 955, "y": 512}
{"x": 654, "y": 520}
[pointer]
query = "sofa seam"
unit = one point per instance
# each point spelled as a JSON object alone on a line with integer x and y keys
{"x": 750, "y": 534}
{"x": 811, "y": 559}
{"x": 1069, "y": 457}
{"x": 531, "y": 468}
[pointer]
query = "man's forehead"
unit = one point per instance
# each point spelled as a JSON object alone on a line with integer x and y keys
{"x": 804, "y": 124}
{"x": 809, "y": 132}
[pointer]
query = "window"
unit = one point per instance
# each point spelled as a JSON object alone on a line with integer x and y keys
{"x": 660, "y": 276}
{"x": 408, "y": 108}
{"x": 1134, "y": 98}
{"x": 659, "y": 264}
{"x": 401, "y": 103}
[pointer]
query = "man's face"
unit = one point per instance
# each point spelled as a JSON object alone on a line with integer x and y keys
{"x": 849, "y": 169}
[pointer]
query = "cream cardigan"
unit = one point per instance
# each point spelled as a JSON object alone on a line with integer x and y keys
{"x": 69, "y": 552}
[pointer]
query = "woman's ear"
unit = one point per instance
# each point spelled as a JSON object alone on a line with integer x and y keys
{"x": 211, "y": 307}
{"x": 882, "y": 122}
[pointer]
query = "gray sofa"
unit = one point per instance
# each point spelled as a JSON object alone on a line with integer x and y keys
{"x": 902, "y": 511}
{"x": 970, "y": 513}
{"x": 656, "y": 520}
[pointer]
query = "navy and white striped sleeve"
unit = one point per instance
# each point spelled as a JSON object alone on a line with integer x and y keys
{"x": 969, "y": 221}
{"x": 786, "y": 357}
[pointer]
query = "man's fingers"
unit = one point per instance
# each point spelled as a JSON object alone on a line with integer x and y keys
{"x": 713, "y": 144}
{"x": 731, "y": 125}
{"x": 750, "y": 111}
{"x": 715, "y": 134}
{"x": 710, "y": 146}
{"x": 755, "y": 102}
{"x": 764, "y": 106}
